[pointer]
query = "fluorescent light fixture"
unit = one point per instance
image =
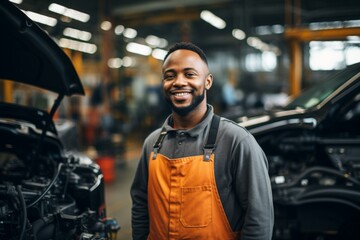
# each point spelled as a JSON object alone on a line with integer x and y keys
{"x": 269, "y": 29}
{"x": 277, "y": 29}
{"x": 130, "y": 33}
{"x": 36, "y": 17}
{"x": 159, "y": 53}
{"x": 238, "y": 34}
{"x": 353, "y": 39}
{"x": 138, "y": 49}
{"x": 152, "y": 40}
{"x": 260, "y": 45}
{"x": 163, "y": 43}
{"x": 263, "y": 30}
{"x": 119, "y": 29}
{"x": 212, "y": 19}
{"x": 68, "y": 12}
{"x": 352, "y": 23}
{"x": 78, "y": 34}
{"x": 128, "y": 61}
{"x": 155, "y": 41}
{"x": 16, "y": 1}
{"x": 77, "y": 45}
{"x": 106, "y": 25}
{"x": 115, "y": 62}
{"x": 254, "y": 42}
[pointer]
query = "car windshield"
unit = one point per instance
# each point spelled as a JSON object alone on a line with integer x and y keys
{"x": 321, "y": 91}
{"x": 27, "y": 95}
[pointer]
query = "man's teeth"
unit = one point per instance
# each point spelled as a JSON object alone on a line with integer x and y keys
{"x": 180, "y": 94}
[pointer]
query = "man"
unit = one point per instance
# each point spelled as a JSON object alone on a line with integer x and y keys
{"x": 200, "y": 176}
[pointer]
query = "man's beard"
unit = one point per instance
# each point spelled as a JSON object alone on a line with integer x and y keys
{"x": 183, "y": 111}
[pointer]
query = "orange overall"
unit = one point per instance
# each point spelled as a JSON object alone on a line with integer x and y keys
{"x": 183, "y": 200}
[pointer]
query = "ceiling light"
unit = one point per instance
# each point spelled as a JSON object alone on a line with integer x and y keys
{"x": 78, "y": 34}
{"x": 115, "y": 62}
{"x": 277, "y": 28}
{"x": 159, "y": 53}
{"x": 138, "y": 49}
{"x": 212, "y": 19}
{"x": 238, "y": 34}
{"x": 130, "y": 33}
{"x": 68, "y": 12}
{"x": 119, "y": 29}
{"x": 163, "y": 43}
{"x": 262, "y": 46}
{"x": 263, "y": 30}
{"x": 77, "y": 45}
{"x": 106, "y": 25}
{"x": 152, "y": 40}
{"x": 352, "y": 23}
{"x": 128, "y": 61}
{"x": 155, "y": 41}
{"x": 36, "y": 17}
{"x": 16, "y": 1}
{"x": 254, "y": 42}
{"x": 353, "y": 39}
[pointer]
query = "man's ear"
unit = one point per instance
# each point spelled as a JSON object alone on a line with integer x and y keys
{"x": 208, "y": 81}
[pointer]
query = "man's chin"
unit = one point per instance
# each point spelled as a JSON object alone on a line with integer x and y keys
{"x": 184, "y": 109}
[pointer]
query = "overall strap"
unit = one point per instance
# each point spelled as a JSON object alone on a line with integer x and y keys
{"x": 210, "y": 144}
{"x": 158, "y": 142}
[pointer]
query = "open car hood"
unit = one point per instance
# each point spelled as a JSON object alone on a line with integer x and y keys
{"x": 30, "y": 56}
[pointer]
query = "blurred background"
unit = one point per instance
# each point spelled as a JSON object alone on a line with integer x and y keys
{"x": 261, "y": 53}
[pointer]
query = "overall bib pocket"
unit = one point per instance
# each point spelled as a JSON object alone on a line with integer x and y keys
{"x": 196, "y": 206}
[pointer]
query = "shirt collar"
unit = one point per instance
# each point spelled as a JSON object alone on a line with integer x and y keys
{"x": 195, "y": 131}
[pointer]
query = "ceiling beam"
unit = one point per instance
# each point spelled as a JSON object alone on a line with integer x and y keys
{"x": 153, "y": 6}
{"x": 305, "y": 35}
{"x": 159, "y": 19}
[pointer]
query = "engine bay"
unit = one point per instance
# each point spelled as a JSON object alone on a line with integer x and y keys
{"x": 46, "y": 194}
{"x": 310, "y": 173}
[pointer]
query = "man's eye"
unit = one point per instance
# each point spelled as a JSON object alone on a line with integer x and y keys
{"x": 168, "y": 77}
{"x": 190, "y": 74}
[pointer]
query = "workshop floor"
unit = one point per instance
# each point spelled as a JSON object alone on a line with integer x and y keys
{"x": 117, "y": 192}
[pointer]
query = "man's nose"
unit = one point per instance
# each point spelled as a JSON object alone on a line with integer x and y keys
{"x": 179, "y": 81}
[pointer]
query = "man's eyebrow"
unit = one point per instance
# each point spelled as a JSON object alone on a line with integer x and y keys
{"x": 184, "y": 69}
{"x": 169, "y": 70}
{"x": 189, "y": 68}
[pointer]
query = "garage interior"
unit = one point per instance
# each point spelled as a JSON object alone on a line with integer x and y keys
{"x": 268, "y": 51}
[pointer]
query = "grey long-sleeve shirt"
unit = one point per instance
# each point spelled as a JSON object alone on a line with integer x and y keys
{"x": 241, "y": 175}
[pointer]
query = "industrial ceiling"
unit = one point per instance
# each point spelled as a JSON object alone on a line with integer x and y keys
{"x": 178, "y": 20}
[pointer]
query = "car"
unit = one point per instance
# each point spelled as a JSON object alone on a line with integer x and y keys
{"x": 313, "y": 149}
{"x": 46, "y": 192}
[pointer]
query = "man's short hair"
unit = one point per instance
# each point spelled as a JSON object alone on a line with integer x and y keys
{"x": 187, "y": 46}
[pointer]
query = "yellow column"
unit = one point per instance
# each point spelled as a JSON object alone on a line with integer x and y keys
{"x": 295, "y": 67}
{"x": 8, "y": 91}
{"x": 77, "y": 60}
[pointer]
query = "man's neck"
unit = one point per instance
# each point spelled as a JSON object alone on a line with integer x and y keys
{"x": 191, "y": 119}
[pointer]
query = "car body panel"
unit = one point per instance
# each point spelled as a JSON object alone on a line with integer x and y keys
{"x": 46, "y": 190}
{"x": 314, "y": 160}
{"x": 34, "y": 57}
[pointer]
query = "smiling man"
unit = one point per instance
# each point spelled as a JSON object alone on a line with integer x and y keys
{"x": 200, "y": 176}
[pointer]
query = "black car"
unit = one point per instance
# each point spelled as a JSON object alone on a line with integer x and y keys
{"x": 313, "y": 149}
{"x": 45, "y": 191}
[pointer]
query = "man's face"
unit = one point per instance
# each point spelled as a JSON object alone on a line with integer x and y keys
{"x": 185, "y": 80}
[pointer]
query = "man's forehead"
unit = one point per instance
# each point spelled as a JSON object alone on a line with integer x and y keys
{"x": 181, "y": 55}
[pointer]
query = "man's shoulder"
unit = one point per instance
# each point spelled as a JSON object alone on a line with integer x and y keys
{"x": 228, "y": 124}
{"x": 231, "y": 128}
{"x": 153, "y": 136}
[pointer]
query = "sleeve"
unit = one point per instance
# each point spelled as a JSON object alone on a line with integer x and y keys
{"x": 253, "y": 188}
{"x": 139, "y": 211}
